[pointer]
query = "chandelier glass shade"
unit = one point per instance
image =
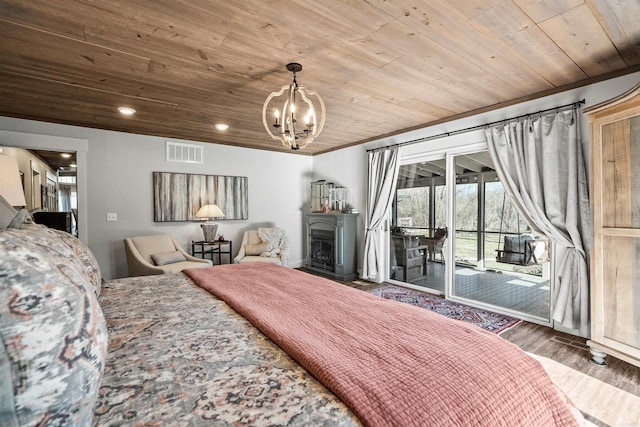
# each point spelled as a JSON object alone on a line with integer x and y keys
{"x": 294, "y": 115}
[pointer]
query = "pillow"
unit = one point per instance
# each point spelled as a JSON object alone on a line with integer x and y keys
{"x": 165, "y": 258}
{"x": 21, "y": 218}
{"x": 257, "y": 249}
{"x": 76, "y": 252}
{"x": 53, "y": 334}
{"x": 7, "y": 213}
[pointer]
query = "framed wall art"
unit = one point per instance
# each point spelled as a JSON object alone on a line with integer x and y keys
{"x": 179, "y": 196}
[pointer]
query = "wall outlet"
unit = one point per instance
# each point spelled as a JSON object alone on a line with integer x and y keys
{"x": 112, "y": 216}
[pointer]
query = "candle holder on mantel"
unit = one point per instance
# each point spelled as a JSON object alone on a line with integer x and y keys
{"x": 320, "y": 195}
{"x": 338, "y": 199}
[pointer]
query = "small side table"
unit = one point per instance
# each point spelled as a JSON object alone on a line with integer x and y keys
{"x": 203, "y": 248}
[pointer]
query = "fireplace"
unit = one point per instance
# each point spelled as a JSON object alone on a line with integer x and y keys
{"x": 331, "y": 245}
{"x": 321, "y": 249}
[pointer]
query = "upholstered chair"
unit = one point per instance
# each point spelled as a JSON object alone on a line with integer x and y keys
{"x": 158, "y": 254}
{"x": 264, "y": 245}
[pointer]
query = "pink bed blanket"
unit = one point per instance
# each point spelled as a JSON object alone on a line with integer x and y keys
{"x": 392, "y": 363}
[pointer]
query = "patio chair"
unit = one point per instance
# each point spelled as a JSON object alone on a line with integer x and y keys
{"x": 435, "y": 244}
{"x": 410, "y": 256}
{"x": 524, "y": 249}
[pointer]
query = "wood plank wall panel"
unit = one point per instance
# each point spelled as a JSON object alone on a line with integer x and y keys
{"x": 471, "y": 9}
{"x": 634, "y": 298}
{"x": 528, "y": 43}
{"x": 615, "y": 273}
{"x": 616, "y": 170}
{"x": 434, "y": 20}
{"x": 540, "y": 11}
{"x": 634, "y": 132}
{"x": 382, "y": 67}
{"x": 621, "y": 182}
{"x": 52, "y": 16}
{"x": 621, "y": 279}
{"x": 621, "y": 24}
{"x": 587, "y": 44}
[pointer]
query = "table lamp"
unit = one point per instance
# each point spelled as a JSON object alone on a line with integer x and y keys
{"x": 209, "y": 228}
{"x": 10, "y": 184}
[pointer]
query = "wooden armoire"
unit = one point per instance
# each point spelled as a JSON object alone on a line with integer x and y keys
{"x": 615, "y": 261}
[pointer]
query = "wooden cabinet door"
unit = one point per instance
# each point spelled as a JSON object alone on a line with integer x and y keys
{"x": 615, "y": 290}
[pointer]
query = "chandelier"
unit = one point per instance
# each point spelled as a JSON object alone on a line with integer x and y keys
{"x": 287, "y": 106}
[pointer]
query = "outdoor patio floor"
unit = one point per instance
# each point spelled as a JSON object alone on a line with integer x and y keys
{"x": 519, "y": 292}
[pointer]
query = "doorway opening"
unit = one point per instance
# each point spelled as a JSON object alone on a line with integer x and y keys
{"x": 51, "y": 192}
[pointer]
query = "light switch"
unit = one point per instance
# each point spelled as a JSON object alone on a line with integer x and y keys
{"x": 112, "y": 216}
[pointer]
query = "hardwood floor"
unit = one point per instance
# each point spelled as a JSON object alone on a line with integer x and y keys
{"x": 612, "y": 400}
{"x": 571, "y": 352}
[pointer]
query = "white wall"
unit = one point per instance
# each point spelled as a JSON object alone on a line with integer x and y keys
{"x": 119, "y": 179}
{"x": 347, "y": 168}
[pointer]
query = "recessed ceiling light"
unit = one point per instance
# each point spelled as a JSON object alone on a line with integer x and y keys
{"x": 222, "y": 126}
{"x": 73, "y": 165}
{"x": 65, "y": 155}
{"x": 127, "y": 111}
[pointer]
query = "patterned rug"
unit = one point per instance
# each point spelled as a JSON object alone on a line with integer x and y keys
{"x": 492, "y": 322}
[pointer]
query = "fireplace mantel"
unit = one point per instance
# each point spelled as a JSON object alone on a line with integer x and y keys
{"x": 331, "y": 244}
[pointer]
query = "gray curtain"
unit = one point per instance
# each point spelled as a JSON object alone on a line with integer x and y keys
{"x": 381, "y": 186}
{"x": 64, "y": 198}
{"x": 540, "y": 163}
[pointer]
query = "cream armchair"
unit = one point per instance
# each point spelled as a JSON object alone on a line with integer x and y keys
{"x": 158, "y": 254}
{"x": 264, "y": 245}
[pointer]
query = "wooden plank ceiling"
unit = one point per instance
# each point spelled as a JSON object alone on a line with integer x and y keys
{"x": 381, "y": 66}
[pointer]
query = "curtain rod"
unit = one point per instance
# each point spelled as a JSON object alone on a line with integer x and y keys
{"x": 477, "y": 127}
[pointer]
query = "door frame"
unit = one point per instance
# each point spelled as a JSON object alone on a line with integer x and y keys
{"x": 408, "y": 160}
{"x": 64, "y": 144}
{"x": 449, "y": 154}
{"x": 450, "y": 252}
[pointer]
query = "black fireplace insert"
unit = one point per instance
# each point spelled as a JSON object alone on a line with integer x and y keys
{"x": 322, "y": 249}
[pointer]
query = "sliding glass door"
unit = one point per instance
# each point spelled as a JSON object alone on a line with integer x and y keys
{"x": 479, "y": 252}
{"x": 418, "y": 212}
{"x": 498, "y": 260}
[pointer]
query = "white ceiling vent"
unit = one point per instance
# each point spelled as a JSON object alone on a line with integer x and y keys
{"x": 183, "y": 152}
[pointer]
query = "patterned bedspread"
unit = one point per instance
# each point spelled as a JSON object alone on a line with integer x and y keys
{"x": 180, "y": 357}
{"x": 393, "y": 364}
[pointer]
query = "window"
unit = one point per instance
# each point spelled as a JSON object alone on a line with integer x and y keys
{"x": 413, "y": 207}
{"x": 67, "y": 179}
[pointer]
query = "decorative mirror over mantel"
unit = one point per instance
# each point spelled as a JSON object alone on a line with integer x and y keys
{"x": 179, "y": 196}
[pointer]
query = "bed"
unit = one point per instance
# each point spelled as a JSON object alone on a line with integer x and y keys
{"x": 179, "y": 356}
{"x": 255, "y": 359}
{"x": 209, "y": 347}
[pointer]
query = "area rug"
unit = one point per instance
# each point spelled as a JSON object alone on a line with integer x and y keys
{"x": 490, "y": 321}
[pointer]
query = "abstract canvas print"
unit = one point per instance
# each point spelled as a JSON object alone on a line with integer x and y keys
{"x": 179, "y": 196}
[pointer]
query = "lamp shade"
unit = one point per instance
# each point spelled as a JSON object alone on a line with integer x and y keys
{"x": 10, "y": 185}
{"x": 210, "y": 212}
